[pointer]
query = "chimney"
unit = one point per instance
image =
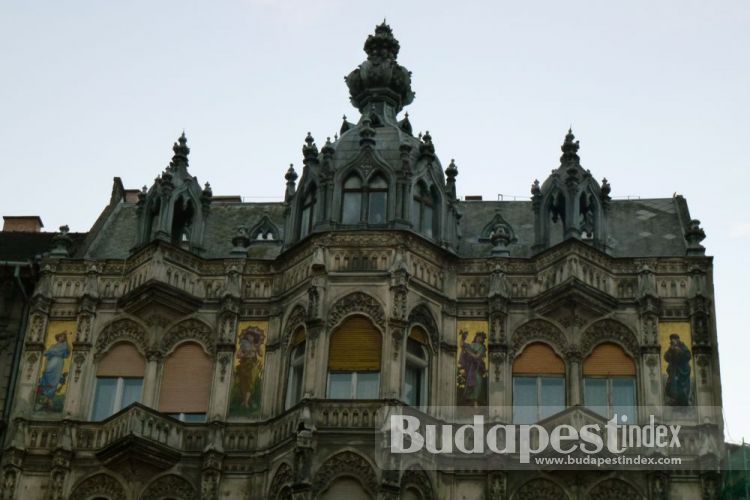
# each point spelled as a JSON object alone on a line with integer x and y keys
{"x": 22, "y": 224}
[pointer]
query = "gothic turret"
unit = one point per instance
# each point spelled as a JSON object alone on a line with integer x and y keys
{"x": 175, "y": 208}
{"x": 570, "y": 203}
{"x": 377, "y": 174}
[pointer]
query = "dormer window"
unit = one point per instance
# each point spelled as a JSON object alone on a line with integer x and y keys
{"x": 181, "y": 222}
{"x": 351, "y": 208}
{"x": 423, "y": 211}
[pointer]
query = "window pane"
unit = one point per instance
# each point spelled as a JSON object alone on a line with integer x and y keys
{"x": 294, "y": 387}
{"x": 194, "y": 417}
{"x": 378, "y": 183}
{"x": 427, "y": 221}
{"x": 367, "y": 385}
{"x": 104, "y": 398}
{"x": 623, "y": 398}
{"x": 353, "y": 182}
{"x": 595, "y": 395}
{"x": 131, "y": 391}
{"x": 524, "y": 400}
{"x": 376, "y": 212}
{"x": 350, "y": 213}
{"x": 411, "y": 385}
{"x": 553, "y": 396}
{"x": 340, "y": 385}
{"x": 416, "y": 215}
{"x": 415, "y": 348}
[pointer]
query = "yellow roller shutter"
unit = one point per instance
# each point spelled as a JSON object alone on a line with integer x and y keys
{"x": 418, "y": 334}
{"x": 298, "y": 336}
{"x": 122, "y": 360}
{"x": 186, "y": 383}
{"x": 355, "y": 346}
{"x": 609, "y": 360}
{"x": 538, "y": 359}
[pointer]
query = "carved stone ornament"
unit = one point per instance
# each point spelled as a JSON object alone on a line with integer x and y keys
{"x": 609, "y": 330}
{"x": 31, "y": 359}
{"x": 282, "y": 480}
{"x": 357, "y": 302}
{"x": 83, "y": 329}
{"x": 346, "y": 463}
{"x": 614, "y": 489}
{"x": 119, "y": 330}
{"x": 496, "y": 486}
{"x": 415, "y": 477}
{"x": 534, "y": 330}
{"x": 36, "y": 328}
{"x": 295, "y": 319}
{"x": 8, "y": 490}
{"x": 421, "y": 315}
{"x": 540, "y": 489}
{"x": 171, "y": 486}
{"x": 190, "y": 329}
{"x": 99, "y": 485}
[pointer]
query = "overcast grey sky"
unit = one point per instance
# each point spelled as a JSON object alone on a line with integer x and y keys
{"x": 657, "y": 93}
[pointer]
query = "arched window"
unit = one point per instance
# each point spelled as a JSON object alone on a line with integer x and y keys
{"x": 307, "y": 218}
{"x": 423, "y": 210}
{"x": 296, "y": 378}
{"x": 377, "y": 205}
{"x": 609, "y": 382}
{"x": 186, "y": 383}
{"x": 351, "y": 207}
{"x": 354, "y": 360}
{"x": 119, "y": 380}
{"x": 182, "y": 221}
{"x": 538, "y": 384}
{"x": 417, "y": 363}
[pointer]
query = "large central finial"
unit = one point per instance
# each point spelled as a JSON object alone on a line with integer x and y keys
{"x": 380, "y": 80}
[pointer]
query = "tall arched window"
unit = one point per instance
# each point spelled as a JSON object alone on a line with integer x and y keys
{"x": 538, "y": 384}
{"x": 295, "y": 382}
{"x": 182, "y": 221}
{"x": 307, "y": 218}
{"x": 377, "y": 204}
{"x": 351, "y": 206}
{"x": 119, "y": 380}
{"x": 417, "y": 363}
{"x": 186, "y": 383}
{"x": 354, "y": 360}
{"x": 423, "y": 210}
{"x": 609, "y": 382}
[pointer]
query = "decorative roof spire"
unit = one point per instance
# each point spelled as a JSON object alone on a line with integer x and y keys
{"x": 291, "y": 182}
{"x": 451, "y": 172}
{"x": 380, "y": 78}
{"x": 427, "y": 148}
{"x": 181, "y": 152}
{"x": 310, "y": 150}
{"x": 570, "y": 150}
{"x": 367, "y": 133}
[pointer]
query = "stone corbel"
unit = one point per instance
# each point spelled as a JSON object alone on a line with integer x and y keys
{"x": 211, "y": 475}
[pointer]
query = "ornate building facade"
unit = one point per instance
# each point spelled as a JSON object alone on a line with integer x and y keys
{"x": 197, "y": 346}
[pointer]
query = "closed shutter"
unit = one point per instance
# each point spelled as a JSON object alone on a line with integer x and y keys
{"x": 298, "y": 337}
{"x": 418, "y": 334}
{"x": 538, "y": 359}
{"x": 122, "y": 360}
{"x": 355, "y": 347}
{"x": 186, "y": 383}
{"x": 609, "y": 360}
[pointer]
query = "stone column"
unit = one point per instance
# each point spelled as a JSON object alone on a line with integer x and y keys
{"x": 574, "y": 376}
{"x": 150, "y": 380}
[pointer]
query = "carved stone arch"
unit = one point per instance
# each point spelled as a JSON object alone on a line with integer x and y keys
{"x": 540, "y": 489}
{"x": 613, "y": 489}
{"x": 538, "y": 330}
{"x": 189, "y": 329}
{"x": 281, "y": 482}
{"x": 99, "y": 485}
{"x": 119, "y": 330}
{"x": 357, "y": 303}
{"x": 296, "y": 318}
{"x": 422, "y": 315}
{"x": 415, "y": 477}
{"x": 609, "y": 330}
{"x": 346, "y": 464}
{"x": 365, "y": 164}
{"x": 170, "y": 486}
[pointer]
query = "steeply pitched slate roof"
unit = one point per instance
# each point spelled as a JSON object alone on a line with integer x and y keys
{"x": 23, "y": 246}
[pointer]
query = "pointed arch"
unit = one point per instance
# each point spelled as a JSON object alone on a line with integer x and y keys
{"x": 119, "y": 330}
{"x": 345, "y": 464}
{"x": 192, "y": 329}
{"x": 609, "y": 330}
{"x": 416, "y": 477}
{"x": 295, "y": 319}
{"x": 99, "y": 485}
{"x": 264, "y": 230}
{"x": 614, "y": 488}
{"x": 538, "y": 330}
{"x": 281, "y": 483}
{"x": 421, "y": 315}
{"x": 170, "y": 486}
{"x": 540, "y": 489}
{"x": 357, "y": 303}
